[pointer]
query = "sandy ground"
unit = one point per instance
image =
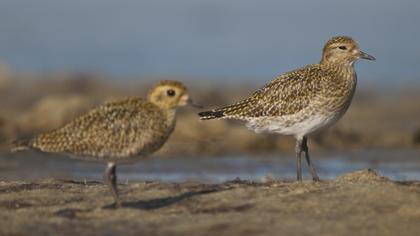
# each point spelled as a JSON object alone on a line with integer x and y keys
{"x": 358, "y": 203}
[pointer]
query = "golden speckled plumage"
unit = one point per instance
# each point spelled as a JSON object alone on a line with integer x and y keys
{"x": 112, "y": 132}
{"x": 294, "y": 91}
{"x": 117, "y": 131}
{"x": 285, "y": 104}
{"x": 304, "y": 100}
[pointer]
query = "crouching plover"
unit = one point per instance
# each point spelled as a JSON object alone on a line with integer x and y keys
{"x": 302, "y": 101}
{"x": 118, "y": 131}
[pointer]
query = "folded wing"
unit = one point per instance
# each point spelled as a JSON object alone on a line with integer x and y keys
{"x": 114, "y": 129}
{"x": 288, "y": 94}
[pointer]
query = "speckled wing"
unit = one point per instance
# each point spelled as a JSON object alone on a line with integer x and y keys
{"x": 287, "y": 94}
{"x": 113, "y": 130}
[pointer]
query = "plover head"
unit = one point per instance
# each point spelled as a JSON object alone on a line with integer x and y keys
{"x": 343, "y": 50}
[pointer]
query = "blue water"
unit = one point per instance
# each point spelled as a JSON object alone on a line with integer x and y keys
{"x": 244, "y": 40}
{"x": 394, "y": 164}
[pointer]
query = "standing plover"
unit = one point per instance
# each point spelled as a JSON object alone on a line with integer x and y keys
{"x": 118, "y": 131}
{"x": 302, "y": 101}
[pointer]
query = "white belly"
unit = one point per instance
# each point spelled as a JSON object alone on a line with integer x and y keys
{"x": 297, "y": 125}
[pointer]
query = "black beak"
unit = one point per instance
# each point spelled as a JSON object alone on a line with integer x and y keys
{"x": 191, "y": 103}
{"x": 366, "y": 56}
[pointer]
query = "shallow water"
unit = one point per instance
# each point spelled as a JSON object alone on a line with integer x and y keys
{"x": 395, "y": 164}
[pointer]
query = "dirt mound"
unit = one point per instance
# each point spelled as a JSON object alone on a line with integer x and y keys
{"x": 366, "y": 175}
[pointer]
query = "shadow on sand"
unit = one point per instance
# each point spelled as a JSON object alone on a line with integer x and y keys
{"x": 167, "y": 201}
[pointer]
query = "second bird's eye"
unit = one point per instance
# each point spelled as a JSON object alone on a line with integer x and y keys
{"x": 342, "y": 47}
{"x": 170, "y": 92}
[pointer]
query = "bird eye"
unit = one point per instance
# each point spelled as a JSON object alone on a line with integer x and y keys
{"x": 170, "y": 92}
{"x": 343, "y": 47}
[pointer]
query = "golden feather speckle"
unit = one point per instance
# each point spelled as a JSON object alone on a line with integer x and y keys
{"x": 117, "y": 130}
{"x": 301, "y": 101}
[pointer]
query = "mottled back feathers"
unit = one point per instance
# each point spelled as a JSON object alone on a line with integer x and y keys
{"x": 117, "y": 130}
{"x": 290, "y": 93}
{"x": 303, "y": 100}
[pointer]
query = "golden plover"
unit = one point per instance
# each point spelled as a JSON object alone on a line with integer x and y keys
{"x": 118, "y": 131}
{"x": 302, "y": 101}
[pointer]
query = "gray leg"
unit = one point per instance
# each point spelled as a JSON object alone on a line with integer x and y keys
{"x": 110, "y": 178}
{"x": 298, "y": 150}
{"x": 308, "y": 160}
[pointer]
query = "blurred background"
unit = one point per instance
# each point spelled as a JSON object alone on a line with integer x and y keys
{"x": 60, "y": 58}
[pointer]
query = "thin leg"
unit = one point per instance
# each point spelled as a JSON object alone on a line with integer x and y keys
{"x": 308, "y": 159}
{"x": 298, "y": 150}
{"x": 110, "y": 178}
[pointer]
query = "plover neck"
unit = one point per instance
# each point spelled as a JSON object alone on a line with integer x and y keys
{"x": 170, "y": 118}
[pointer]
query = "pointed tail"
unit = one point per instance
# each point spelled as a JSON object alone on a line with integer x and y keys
{"x": 21, "y": 145}
{"x": 236, "y": 110}
{"x": 210, "y": 115}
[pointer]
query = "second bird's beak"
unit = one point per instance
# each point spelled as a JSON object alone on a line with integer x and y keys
{"x": 191, "y": 103}
{"x": 366, "y": 56}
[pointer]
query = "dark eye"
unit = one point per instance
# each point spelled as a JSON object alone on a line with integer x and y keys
{"x": 343, "y": 47}
{"x": 170, "y": 92}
